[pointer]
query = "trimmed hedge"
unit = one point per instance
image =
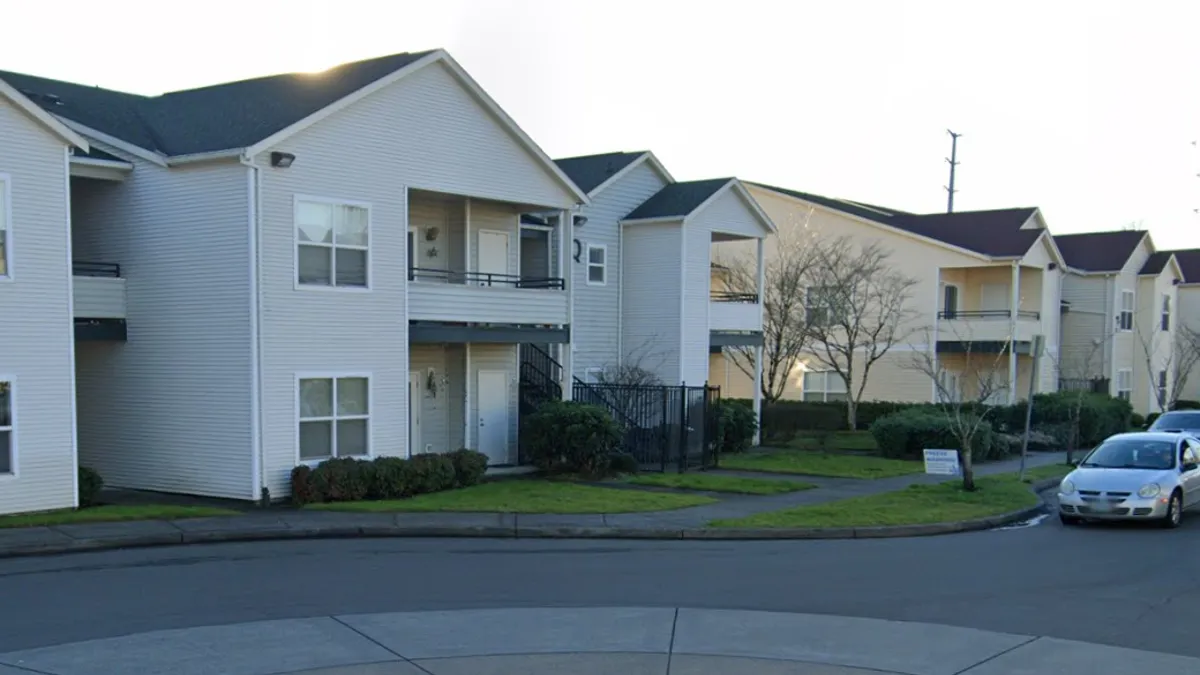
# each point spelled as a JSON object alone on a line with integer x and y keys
{"x": 906, "y": 435}
{"x": 572, "y": 437}
{"x": 348, "y": 479}
{"x": 90, "y": 485}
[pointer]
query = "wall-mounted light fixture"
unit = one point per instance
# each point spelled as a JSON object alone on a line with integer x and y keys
{"x": 282, "y": 160}
{"x": 1052, "y": 266}
{"x": 580, "y": 221}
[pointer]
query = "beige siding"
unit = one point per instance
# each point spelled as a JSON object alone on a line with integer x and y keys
{"x": 1086, "y": 343}
{"x": 35, "y": 303}
{"x": 1188, "y": 311}
{"x": 170, "y": 409}
{"x": 892, "y": 378}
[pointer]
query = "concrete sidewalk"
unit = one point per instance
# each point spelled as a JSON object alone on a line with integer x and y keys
{"x": 689, "y": 523}
{"x": 588, "y": 641}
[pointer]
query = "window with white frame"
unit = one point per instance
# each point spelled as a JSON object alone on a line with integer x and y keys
{"x": 824, "y": 385}
{"x": 1162, "y": 387}
{"x": 334, "y": 418}
{"x": 332, "y": 244}
{"x": 1125, "y": 384}
{"x": 597, "y": 264}
{"x": 949, "y": 387}
{"x": 7, "y": 451}
{"x": 5, "y": 226}
{"x": 1125, "y": 312}
{"x": 1165, "y": 322}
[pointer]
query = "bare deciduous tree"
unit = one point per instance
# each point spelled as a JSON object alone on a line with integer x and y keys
{"x": 857, "y": 309}
{"x": 785, "y": 337}
{"x": 1187, "y": 350}
{"x": 1080, "y": 370}
{"x": 1168, "y": 374}
{"x": 964, "y": 395}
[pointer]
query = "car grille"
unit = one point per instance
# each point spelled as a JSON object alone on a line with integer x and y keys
{"x": 1112, "y": 495}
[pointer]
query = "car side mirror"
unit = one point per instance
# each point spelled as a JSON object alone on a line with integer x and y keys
{"x": 1189, "y": 467}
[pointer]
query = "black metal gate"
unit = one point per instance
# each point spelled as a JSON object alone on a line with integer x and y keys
{"x": 666, "y": 427}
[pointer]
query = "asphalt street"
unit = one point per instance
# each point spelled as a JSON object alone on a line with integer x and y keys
{"x": 1126, "y": 586}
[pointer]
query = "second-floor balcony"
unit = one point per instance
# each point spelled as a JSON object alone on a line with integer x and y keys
{"x": 99, "y": 290}
{"x": 989, "y": 325}
{"x": 483, "y": 297}
{"x": 734, "y": 312}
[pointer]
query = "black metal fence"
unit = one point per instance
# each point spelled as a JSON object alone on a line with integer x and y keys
{"x": 666, "y": 427}
{"x": 484, "y": 279}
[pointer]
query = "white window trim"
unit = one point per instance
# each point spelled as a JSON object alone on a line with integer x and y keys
{"x": 333, "y": 375}
{"x": 1121, "y": 311}
{"x": 312, "y": 199}
{"x": 588, "y": 264}
{"x": 1164, "y": 312}
{"x": 12, "y": 430}
{"x": 825, "y": 391}
{"x": 1117, "y": 384}
{"x": 6, "y": 220}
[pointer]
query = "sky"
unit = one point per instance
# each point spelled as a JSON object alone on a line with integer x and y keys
{"x": 1086, "y": 109}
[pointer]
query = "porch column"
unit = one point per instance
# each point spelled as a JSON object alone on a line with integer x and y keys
{"x": 758, "y": 372}
{"x": 566, "y": 270}
{"x": 1014, "y": 309}
{"x": 938, "y": 295}
{"x": 758, "y": 351}
{"x": 467, "y": 235}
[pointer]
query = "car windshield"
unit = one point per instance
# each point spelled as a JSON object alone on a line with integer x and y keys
{"x": 1184, "y": 421}
{"x": 1130, "y": 453}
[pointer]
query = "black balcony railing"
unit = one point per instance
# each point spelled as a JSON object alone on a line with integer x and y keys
{"x": 725, "y": 296}
{"x": 484, "y": 279}
{"x": 81, "y": 268}
{"x": 987, "y": 314}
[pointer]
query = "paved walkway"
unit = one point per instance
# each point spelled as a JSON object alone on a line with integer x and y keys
{"x": 287, "y": 523}
{"x": 587, "y": 641}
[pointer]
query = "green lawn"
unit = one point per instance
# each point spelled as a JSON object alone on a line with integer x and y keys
{"x": 529, "y": 496}
{"x": 821, "y": 464}
{"x": 846, "y": 441}
{"x": 101, "y": 514}
{"x": 717, "y": 483}
{"x": 915, "y": 505}
{"x": 1048, "y": 471}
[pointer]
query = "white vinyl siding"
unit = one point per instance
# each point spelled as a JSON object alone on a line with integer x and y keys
{"x": 8, "y": 450}
{"x": 334, "y": 419}
{"x": 332, "y": 243}
{"x": 596, "y": 324}
{"x": 652, "y": 298}
{"x": 5, "y": 219}
{"x": 597, "y": 264}
{"x": 1124, "y": 384}
{"x": 36, "y": 338}
{"x": 824, "y": 385}
{"x": 1125, "y": 311}
{"x": 425, "y": 132}
{"x": 170, "y": 409}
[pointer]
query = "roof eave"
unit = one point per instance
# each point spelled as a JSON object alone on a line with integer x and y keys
{"x": 39, "y": 114}
{"x": 650, "y": 221}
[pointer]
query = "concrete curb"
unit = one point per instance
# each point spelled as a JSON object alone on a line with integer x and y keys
{"x": 82, "y": 545}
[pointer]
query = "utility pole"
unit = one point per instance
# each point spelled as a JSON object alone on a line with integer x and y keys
{"x": 953, "y": 160}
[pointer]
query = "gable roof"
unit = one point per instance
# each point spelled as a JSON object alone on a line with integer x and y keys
{"x": 995, "y": 233}
{"x": 1099, "y": 251}
{"x": 677, "y": 200}
{"x": 591, "y": 171}
{"x": 1156, "y": 263}
{"x": 56, "y": 127}
{"x": 207, "y": 119}
{"x": 1189, "y": 264}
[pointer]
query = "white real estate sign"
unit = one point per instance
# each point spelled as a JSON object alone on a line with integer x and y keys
{"x": 942, "y": 462}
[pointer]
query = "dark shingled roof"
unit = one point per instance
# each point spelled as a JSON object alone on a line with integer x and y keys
{"x": 994, "y": 233}
{"x": 1099, "y": 251}
{"x": 220, "y": 117}
{"x": 1155, "y": 263}
{"x": 590, "y": 171}
{"x": 678, "y": 199}
{"x": 1189, "y": 262}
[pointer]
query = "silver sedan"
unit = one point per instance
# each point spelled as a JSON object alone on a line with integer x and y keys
{"x": 1147, "y": 475}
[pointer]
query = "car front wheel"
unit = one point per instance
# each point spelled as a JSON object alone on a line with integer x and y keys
{"x": 1174, "y": 517}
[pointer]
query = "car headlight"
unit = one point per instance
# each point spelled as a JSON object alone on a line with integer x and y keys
{"x": 1067, "y": 487}
{"x": 1149, "y": 490}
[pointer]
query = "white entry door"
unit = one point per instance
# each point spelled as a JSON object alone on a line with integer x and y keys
{"x": 414, "y": 414}
{"x": 994, "y": 297}
{"x": 493, "y": 256}
{"x": 493, "y": 415}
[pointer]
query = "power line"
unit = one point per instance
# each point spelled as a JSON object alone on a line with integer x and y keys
{"x": 953, "y": 161}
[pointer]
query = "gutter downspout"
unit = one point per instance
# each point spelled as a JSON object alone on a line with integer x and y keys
{"x": 254, "y": 194}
